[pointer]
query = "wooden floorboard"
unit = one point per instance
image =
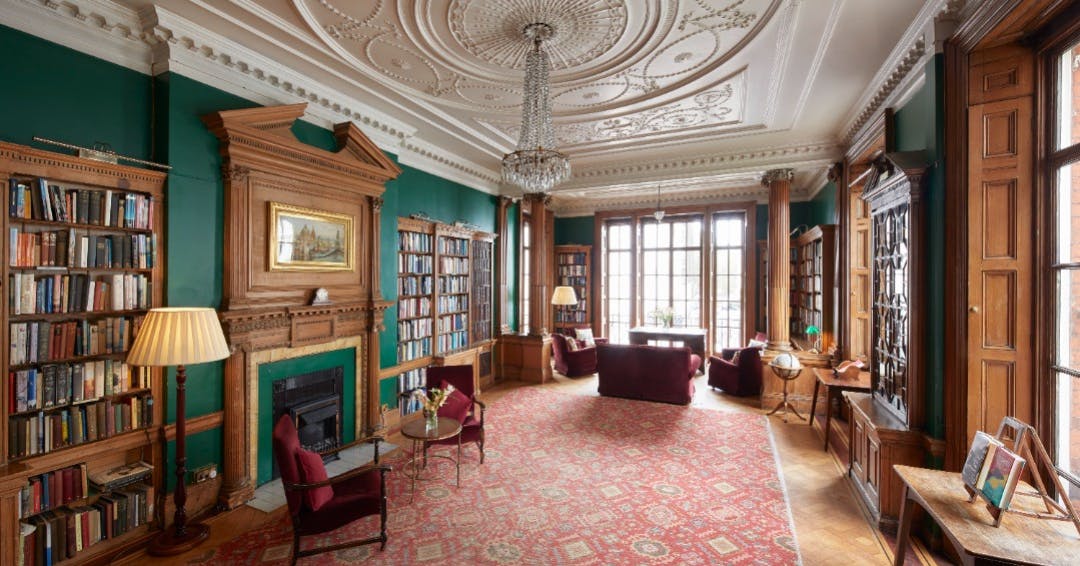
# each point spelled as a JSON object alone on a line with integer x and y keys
{"x": 830, "y": 526}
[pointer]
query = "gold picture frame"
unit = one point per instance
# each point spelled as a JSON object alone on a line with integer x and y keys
{"x": 305, "y": 239}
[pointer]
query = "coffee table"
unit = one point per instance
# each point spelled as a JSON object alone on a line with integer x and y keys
{"x": 417, "y": 431}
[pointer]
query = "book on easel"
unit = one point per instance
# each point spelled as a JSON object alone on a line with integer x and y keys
{"x": 982, "y": 449}
{"x": 999, "y": 476}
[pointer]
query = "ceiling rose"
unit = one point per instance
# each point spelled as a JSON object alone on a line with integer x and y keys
{"x": 582, "y": 30}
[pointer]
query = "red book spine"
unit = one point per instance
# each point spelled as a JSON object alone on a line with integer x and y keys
{"x": 69, "y": 485}
{"x": 55, "y": 491}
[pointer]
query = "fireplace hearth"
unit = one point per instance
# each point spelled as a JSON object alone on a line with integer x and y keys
{"x": 314, "y": 402}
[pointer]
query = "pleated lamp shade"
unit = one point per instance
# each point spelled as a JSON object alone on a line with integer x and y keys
{"x": 564, "y": 296}
{"x": 178, "y": 336}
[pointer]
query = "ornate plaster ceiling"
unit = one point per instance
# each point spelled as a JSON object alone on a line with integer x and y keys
{"x": 620, "y": 70}
{"x": 699, "y": 97}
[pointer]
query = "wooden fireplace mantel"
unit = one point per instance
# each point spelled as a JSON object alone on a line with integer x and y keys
{"x": 266, "y": 308}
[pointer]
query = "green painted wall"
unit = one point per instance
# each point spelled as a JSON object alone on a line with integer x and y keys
{"x": 58, "y": 93}
{"x": 576, "y": 230}
{"x": 823, "y": 205}
{"x": 920, "y": 125}
{"x": 268, "y": 373}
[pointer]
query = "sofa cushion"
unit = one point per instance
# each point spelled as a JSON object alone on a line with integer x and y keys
{"x": 312, "y": 470}
{"x": 456, "y": 406}
{"x": 585, "y": 335}
{"x": 572, "y": 344}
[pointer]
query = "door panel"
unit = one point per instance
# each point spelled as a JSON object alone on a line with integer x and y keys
{"x": 859, "y": 282}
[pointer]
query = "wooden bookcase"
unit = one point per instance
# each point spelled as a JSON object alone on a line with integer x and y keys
{"x": 82, "y": 266}
{"x": 445, "y": 302}
{"x": 573, "y": 268}
{"x": 812, "y": 277}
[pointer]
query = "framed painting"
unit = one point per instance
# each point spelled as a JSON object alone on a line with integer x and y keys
{"x": 303, "y": 239}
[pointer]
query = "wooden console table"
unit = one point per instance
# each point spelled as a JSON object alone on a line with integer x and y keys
{"x": 834, "y": 385}
{"x": 694, "y": 338}
{"x": 970, "y": 528}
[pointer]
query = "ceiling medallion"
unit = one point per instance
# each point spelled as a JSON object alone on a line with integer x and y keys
{"x": 536, "y": 166}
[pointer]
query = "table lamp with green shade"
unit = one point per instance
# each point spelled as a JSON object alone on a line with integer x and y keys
{"x": 814, "y": 334}
{"x": 178, "y": 337}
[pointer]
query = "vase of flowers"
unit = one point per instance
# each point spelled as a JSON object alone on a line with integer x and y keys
{"x": 664, "y": 316}
{"x": 430, "y": 401}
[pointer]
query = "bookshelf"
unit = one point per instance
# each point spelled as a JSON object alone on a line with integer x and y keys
{"x": 453, "y": 290}
{"x": 483, "y": 266}
{"x": 81, "y": 268}
{"x": 416, "y": 289}
{"x": 813, "y": 270}
{"x": 573, "y": 266}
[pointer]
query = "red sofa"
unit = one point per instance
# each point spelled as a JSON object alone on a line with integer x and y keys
{"x": 573, "y": 363}
{"x": 739, "y": 378}
{"x": 651, "y": 373}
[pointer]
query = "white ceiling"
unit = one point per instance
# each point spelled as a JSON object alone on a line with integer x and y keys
{"x": 699, "y": 97}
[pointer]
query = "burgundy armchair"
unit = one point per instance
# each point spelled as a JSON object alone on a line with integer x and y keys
{"x": 461, "y": 377}
{"x": 740, "y": 377}
{"x": 318, "y": 505}
{"x": 573, "y": 363}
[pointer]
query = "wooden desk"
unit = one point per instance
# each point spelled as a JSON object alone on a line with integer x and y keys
{"x": 694, "y": 338}
{"x": 833, "y": 386}
{"x": 970, "y": 528}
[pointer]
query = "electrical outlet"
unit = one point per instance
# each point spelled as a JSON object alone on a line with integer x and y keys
{"x": 204, "y": 473}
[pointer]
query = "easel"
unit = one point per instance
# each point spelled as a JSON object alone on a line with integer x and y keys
{"x": 1029, "y": 446}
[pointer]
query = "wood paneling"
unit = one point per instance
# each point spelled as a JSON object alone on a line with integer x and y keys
{"x": 1000, "y": 207}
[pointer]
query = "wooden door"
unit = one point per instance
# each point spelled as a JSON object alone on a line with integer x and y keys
{"x": 1001, "y": 243}
{"x": 859, "y": 274}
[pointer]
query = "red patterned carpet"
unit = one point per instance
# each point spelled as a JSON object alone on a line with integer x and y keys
{"x": 573, "y": 479}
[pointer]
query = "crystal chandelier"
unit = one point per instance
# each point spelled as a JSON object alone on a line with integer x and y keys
{"x": 536, "y": 166}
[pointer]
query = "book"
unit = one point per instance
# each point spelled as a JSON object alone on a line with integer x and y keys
{"x": 982, "y": 445}
{"x": 1002, "y": 474}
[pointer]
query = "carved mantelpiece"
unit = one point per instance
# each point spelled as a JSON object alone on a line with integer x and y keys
{"x": 265, "y": 312}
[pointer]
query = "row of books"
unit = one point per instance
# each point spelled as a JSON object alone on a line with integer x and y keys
{"x": 454, "y": 246}
{"x": 453, "y": 341}
{"x": 576, "y": 258}
{"x": 572, "y": 271}
{"x": 29, "y": 293}
{"x": 415, "y": 285}
{"x": 578, "y": 282}
{"x": 60, "y": 385}
{"x": 52, "y": 489}
{"x": 571, "y": 316}
{"x": 481, "y": 256}
{"x": 412, "y": 308}
{"x": 40, "y": 200}
{"x": 410, "y": 263}
{"x": 453, "y": 322}
{"x": 453, "y": 303}
{"x": 453, "y": 284}
{"x": 56, "y": 535}
{"x": 43, "y": 341}
{"x": 414, "y": 329}
{"x": 41, "y": 433}
{"x": 408, "y": 382}
{"x": 453, "y": 266}
{"x": 414, "y": 242}
{"x": 66, "y": 248}
{"x": 413, "y": 349}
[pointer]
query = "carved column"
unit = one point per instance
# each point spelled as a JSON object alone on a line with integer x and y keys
{"x": 236, "y": 485}
{"x": 539, "y": 252}
{"x": 779, "y": 183}
{"x": 376, "y": 324}
{"x": 502, "y": 249}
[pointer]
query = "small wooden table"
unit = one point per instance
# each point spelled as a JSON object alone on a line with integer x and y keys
{"x": 834, "y": 386}
{"x": 417, "y": 431}
{"x": 694, "y": 338}
{"x": 970, "y": 528}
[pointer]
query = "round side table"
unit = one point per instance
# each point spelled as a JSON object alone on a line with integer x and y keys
{"x": 420, "y": 435}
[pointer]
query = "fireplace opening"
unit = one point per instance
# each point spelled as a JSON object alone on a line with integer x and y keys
{"x": 314, "y": 402}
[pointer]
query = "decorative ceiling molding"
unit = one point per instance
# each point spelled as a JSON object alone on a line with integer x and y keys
{"x": 912, "y": 52}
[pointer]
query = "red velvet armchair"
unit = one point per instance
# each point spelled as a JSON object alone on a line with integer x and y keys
{"x": 461, "y": 377}
{"x": 740, "y": 377}
{"x": 317, "y": 504}
{"x": 573, "y": 363}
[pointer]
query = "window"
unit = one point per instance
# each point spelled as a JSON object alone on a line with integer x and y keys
{"x": 727, "y": 262}
{"x": 525, "y": 283}
{"x": 1065, "y": 259}
{"x": 616, "y": 288}
{"x": 671, "y": 269}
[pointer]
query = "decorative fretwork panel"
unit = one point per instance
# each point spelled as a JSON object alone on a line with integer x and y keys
{"x": 889, "y": 357}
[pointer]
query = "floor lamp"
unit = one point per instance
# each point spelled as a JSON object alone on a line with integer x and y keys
{"x": 564, "y": 296}
{"x": 179, "y": 337}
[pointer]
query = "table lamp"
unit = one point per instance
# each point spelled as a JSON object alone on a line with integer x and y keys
{"x": 178, "y": 337}
{"x": 564, "y": 296}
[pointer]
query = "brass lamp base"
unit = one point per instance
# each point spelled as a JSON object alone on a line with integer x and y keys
{"x": 169, "y": 544}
